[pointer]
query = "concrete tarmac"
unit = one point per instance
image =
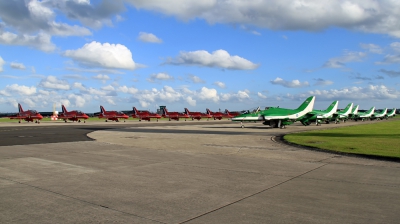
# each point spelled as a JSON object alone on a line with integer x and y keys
{"x": 182, "y": 172}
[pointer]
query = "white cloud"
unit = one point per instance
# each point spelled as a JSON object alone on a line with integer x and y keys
{"x": 104, "y": 55}
{"x": 78, "y": 85}
{"x": 389, "y": 59}
{"x": 108, "y": 88}
{"x": 289, "y": 84}
{"x": 78, "y": 101}
{"x": 239, "y": 96}
{"x": 372, "y": 92}
{"x": 41, "y": 41}
{"x": 262, "y": 96}
{"x": 16, "y": 65}
{"x": 74, "y": 76}
{"x": 348, "y": 56}
{"x": 149, "y": 38}
{"x": 220, "y": 84}
{"x": 52, "y": 82}
{"x": 125, "y": 89}
{"x": 159, "y": 77}
{"x": 101, "y": 77}
{"x": 373, "y": 48}
{"x": 323, "y": 82}
{"x": 191, "y": 101}
{"x": 395, "y": 46}
{"x": 22, "y": 90}
{"x": 208, "y": 94}
{"x": 2, "y": 62}
{"x": 218, "y": 58}
{"x": 367, "y": 15}
{"x": 196, "y": 79}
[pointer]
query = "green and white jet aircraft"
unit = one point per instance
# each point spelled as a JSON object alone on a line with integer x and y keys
{"x": 343, "y": 115}
{"x": 379, "y": 115}
{"x": 391, "y": 113}
{"x": 354, "y": 112}
{"x": 318, "y": 116}
{"x": 363, "y": 116}
{"x": 277, "y": 117}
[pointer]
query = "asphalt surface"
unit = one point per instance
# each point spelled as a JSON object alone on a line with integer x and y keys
{"x": 184, "y": 172}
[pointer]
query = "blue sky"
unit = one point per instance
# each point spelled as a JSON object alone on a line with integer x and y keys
{"x": 198, "y": 54}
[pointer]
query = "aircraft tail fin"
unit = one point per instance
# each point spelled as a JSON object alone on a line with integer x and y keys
{"x": 208, "y": 111}
{"x": 63, "y": 109}
{"x": 102, "y": 110}
{"x": 135, "y": 111}
{"x": 165, "y": 112}
{"x": 355, "y": 110}
{"x": 333, "y": 107}
{"x": 227, "y": 111}
{"x": 348, "y": 108}
{"x": 371, "y": 111}
{"x": 20, "y": 110}
{"x": 187, "y": 111}
{"x": 307, "y": 105}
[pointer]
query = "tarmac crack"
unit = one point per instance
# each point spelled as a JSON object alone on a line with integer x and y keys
{"x": 80, "y": 200}
{"x": 252, "y": 195}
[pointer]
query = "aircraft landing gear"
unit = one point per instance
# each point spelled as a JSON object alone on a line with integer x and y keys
{"x": 106, "y": 120}
{"x": 19, "y": 121}
{"x": 241, "y": 125}
{"x": 65, "y": 121}
{"x": 157, "y": 120}
{"x": 283, "y": 126}
{"x": 84, "y": 121}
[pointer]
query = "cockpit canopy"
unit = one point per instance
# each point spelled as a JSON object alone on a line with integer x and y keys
{"x": 120, "y": 112}
{"x": 33, "y": 111}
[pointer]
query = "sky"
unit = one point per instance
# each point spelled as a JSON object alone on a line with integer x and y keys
{"x": 214, "y": 54}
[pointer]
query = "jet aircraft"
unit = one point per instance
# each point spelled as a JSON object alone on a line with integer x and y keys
{"x": 75, "y": 115}
{"x": 363, "y": 116}
{"x": 354, "y": 112}
{"x": 231, "y": 115}
{"x": 343, "y": 115}
{"x": 197, "y": 115}
{"x": 174, "y": 115}
{"x": 391, "y": 113}
{"x": 29, "y": 115}
{"x": 144, "y": 115}
{"x": 278, "y": 117}
{"x": 215, "y": 115}
{"x": 112, "y": 115}
{"x": 379, "y": 115}
{"x": 319, "y": 116}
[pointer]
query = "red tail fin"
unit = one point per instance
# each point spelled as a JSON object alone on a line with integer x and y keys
{"x": 135, "y": 112}
{"x": 227, "y": 111}
{"x": 208, "y": 111}
{"x": 187, "y": 111}
{"x": 20, "y": 108}
{"x": 64, "y": 110}
{"x": 165, "y": 111}
{"x": 102, "y": 110}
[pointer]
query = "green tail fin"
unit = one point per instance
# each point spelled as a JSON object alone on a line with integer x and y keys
{"x": 307, "y": 104}
{"x": 332, "y": 106}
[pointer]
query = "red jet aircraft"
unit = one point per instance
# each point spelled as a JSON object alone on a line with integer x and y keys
{"x": 231, "y": 115}
{"x": 215, "y": 115}
{"x": 75, "y": 115}
{"x": 144, "y": 115}
{"x": 174, "y": 115}
{"x": 197, "y": 115}
{"x": 112, "y": 115}
{"x": 28, "y": 115}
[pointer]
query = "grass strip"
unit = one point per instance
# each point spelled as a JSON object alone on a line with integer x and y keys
{"x": 376, "y": 139}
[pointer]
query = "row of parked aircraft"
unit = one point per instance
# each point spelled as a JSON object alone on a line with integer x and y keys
{"x": 78, "y": 116}
{"x": 280, "y": 117}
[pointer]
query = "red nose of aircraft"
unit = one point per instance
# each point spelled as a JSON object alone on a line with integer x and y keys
{"x": 39, "y": 116}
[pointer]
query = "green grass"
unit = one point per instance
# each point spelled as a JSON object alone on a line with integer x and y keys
{"x": 377, "y": 139}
